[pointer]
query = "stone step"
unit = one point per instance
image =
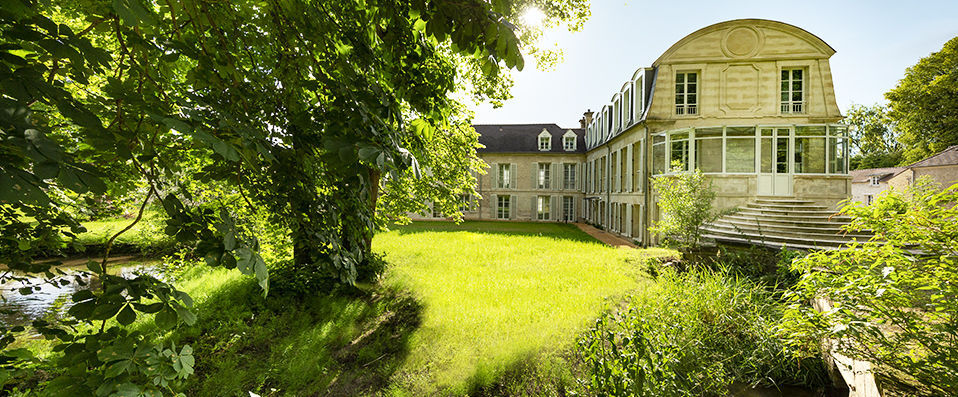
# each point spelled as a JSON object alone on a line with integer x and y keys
{"x": 773, "y": 244}
{"x": 791, "y": 211}
{"x": 798, "y": 221}
{"x": 757, "y": 238}
{"x": 835, "y": 228}
{"x": 783, "y": 201}
{"x": 779, "y": 231}
{"x": 794, "y": 217}
{"x": 809, "y": 226}
{"x": 787, "y": 206}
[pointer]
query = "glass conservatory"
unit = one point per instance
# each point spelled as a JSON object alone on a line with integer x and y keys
{"x": 775, "y": 154}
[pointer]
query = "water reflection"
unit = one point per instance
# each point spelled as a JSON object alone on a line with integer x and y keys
{"x": 50, "y": 299}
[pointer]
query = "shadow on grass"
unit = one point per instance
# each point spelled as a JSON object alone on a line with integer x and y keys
{"x": 564, "y": 231}
{"x": 331, "y": 345}
{"x": 530, "y": 374}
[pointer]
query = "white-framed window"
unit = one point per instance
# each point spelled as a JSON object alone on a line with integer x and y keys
{"x": 638, "y": 164}
{"x": 436, "y": 213}
{"x": 568, "y": 208}
{"x": 465, "y": 203}
{"x": 503, "y": 207}
{"x": 627, "y": 106}
{"x": 542, "y": 207}
{"x": 569, "y": 141}
{"x": 505, "y": 176}
{"x": 686, "y": 93}
{"x": 793, "y": 91}
{"x": 679, "y": 151}
{"x": 545, "y": 141}
{"x": 874, "y": 180}
{"x": 542, "y": 175}
{"x": 869, "y": 199}
{"x": 568, "y": 176}
{"x": 622, "y": 175}
{"x": 838, "y": 149}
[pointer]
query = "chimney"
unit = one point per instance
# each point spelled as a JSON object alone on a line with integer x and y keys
{"x": 586, "y": 118}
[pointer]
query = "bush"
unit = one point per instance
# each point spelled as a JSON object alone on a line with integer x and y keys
{"x": 693, "y": 334}
{"x": 894, "y": 298}
{"x": 686, "y": 202}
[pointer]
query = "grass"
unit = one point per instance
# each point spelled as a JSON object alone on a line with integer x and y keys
{"x": 497, "y": 293}
{"x": 145, "y": 237}
{"x": 697, "y": 333}
{"x": 472, "y": 308}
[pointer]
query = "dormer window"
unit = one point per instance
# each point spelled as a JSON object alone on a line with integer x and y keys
{"x": 874, "y": 180}
{"x": 545, "y": 141}
{"x": 569, "y": 141}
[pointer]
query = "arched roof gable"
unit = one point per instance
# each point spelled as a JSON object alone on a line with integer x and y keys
{"x": 746, "y": 39}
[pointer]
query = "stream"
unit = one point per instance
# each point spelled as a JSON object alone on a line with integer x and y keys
{"x": 19, "y": 309}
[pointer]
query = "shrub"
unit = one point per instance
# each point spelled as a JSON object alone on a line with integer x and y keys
{"x": 894, "y": 298}
{"x": 693, "y": 333}
{"x": 686, "y": 202}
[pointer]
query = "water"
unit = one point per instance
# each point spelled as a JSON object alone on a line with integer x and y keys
{"x": 19, "y": 309}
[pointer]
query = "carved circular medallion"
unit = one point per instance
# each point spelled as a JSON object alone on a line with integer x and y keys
{"x": 741, "y": 42}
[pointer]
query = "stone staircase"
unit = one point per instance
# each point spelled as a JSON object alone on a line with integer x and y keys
{"x": 788, "y": 222}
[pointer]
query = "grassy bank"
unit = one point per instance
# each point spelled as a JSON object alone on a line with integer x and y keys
{"x": 145, "y": 237}
{"x": 472, "y": 308}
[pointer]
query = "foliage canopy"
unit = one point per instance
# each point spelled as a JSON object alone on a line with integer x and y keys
{"x": 301, "y": 111}
{"x": 893, "y": 298}
{"x": 923, "y": 105}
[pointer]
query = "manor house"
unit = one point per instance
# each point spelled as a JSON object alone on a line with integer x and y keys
{"x": 750, "y": 102}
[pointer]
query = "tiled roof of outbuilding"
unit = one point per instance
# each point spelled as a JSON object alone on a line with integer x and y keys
{"x": 884, "y": 174}
{"x": 945, "y": 157}
{"x": 523, "y": 138}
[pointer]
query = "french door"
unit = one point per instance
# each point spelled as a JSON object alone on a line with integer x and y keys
{"x": 776, "y": 147}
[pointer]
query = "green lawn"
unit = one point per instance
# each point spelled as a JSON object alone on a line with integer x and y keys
{"x": 483, "y": 306}
{"x": 146, "y": 236}
{"x": 495, "y": 293}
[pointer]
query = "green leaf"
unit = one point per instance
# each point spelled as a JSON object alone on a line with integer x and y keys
{"x": 46, "y": 170}
{"x": 116, "y": 368}
{"x": 166, "y": 318}
{"x": 150, "y": 308}
{"x": 82, "y": 310}
{"x": 103, "y": 311}
{"x": 186, "y": 315}
{"x": 126, "y": 316}
{"x": 134, "y": 12}
{"x": 244, "y": 260}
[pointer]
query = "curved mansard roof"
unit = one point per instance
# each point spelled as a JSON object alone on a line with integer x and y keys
{"x": 755, "y": 38}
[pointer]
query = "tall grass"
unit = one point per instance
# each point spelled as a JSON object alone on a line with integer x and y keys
{"x": 694, "y": 333}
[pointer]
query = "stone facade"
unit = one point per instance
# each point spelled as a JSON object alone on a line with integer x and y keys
{"x": 941, "y": 168}
{"x": 750, "y": 102}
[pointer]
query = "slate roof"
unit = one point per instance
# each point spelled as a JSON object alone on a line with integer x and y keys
{"x": 945, "y": 157}
{"x": 861, "y": 176}
{"x": 523, "y": 138}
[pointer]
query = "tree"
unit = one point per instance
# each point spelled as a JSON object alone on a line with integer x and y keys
{"x": 302, "y": 110}
{"x": 893, "y": 298}
{"x": 924, "y": 105}
{"x": 685, "y": 199}
{"x": 874, "y": 139}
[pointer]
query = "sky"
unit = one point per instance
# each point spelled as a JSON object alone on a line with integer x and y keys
{"x": 875, "y": 42}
